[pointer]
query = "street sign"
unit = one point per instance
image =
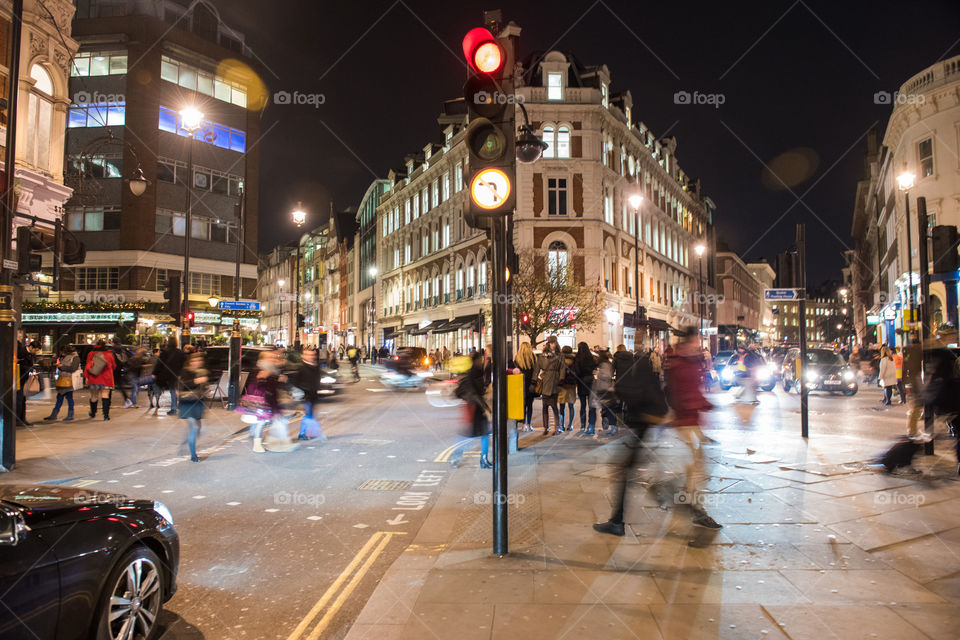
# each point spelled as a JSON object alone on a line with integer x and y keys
{"x": 239, "y": 305}
{"x": 781, "y": 294}
{"x": 872, "y": 320}
{"x": 10, "y": 264}
{"x": 287, "y": 297}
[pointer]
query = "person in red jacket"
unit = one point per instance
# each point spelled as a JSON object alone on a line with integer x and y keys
{"x": 98, "y": 373}
{"x": 684, "y": 377}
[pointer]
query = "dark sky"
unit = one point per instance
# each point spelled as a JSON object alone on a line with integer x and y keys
{"x": 797, "y": 78}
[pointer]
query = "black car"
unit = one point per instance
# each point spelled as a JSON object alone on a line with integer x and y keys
{"x": 76, "y": 563}
{"x": 825, "y": 370}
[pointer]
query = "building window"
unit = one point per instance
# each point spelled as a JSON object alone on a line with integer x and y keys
{"x": 162, "y": 275}
{"x": 446, "y": 234}
{"x": 104, "y": 114}
{"x": 458, "y": 178}
{"x": 212, "y": 133}
{"x": 201, "y": 81}
{"x": 205, "y": 284}
{"x": 557, "y": 196}
{"x": 446, "y": 187}
{"x": 556, "y": 259}
{"x": 607, "y": 206}
{"x": 548, "y": 139}
{"x": 925, "y": 157}
{"x": 436, "y": 192}
{"x": 406, "y": 212}
{"x": 93, "y": 219}
{"x": 604, "y": 94}
{"x": 96, "y": 166}
{"x": 97, "y": 278}
{"x": 101, "y": 63}
{"x": 563, "y": 142}
{"x": 554, "y": 85}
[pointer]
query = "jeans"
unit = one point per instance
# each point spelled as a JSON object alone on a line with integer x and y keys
{"x": 584, "y": 401}
{"x": 308, "y": 420}
{"x": 457, "y": 455}
{"x": 696, "y": 470}
{"x": 528, "y": 407}
{"x": 193, "y": 426}
{"x": 567, "y": 409}
{"x": 173, "y": 399}
{"x": 902, "y": 388}
{"x": 635, "y": 450}
{"x": 137, "y": 382}
{"x": 887, "y": 394}
{"x": 60, "y": 397}
{"x": 550, "y": 402}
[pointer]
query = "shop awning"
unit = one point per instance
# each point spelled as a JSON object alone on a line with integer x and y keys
{"x": 433, "y": 326}
{"x": 410, "y": 328}
{"x": 656, "y": 324}
{"x": 467, "y": 323}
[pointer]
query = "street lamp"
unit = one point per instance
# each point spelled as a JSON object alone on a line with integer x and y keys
{"x": 138, "y": 183}
{"x": 299, "y": 217}
{"x": 213, "y": 301}
{"x": 700, "y": 248}
{"x": 373, "y": 309}
{"x": 635, "y": 201}
{"x": 905, "y": 183}
{"x": 280, "y": 284}
{"x": 191, "y": 119}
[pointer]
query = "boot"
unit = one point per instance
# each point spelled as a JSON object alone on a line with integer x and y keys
{"x": 93, "y": 408}
{"x": 51, "y": 417}
{"x": 485, "y": 464}
{"x": 258, "y": 445}
{"x": 105, "y": 402}
{"x": 69, "y": 417}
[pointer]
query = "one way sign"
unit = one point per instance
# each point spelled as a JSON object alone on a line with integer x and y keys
{"x": 781, "y": 294}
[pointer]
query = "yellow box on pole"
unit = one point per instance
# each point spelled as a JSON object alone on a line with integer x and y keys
{"x": 515, "y": 396}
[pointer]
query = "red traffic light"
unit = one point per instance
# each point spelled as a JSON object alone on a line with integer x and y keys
{"x": 189, "y": 317}
{"x": 482, "y": 52}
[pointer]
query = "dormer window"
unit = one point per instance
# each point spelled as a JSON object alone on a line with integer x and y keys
{"x": 629, "y": 115}
{"x": 604, "y": 94}
{"x": 554, "y": 85}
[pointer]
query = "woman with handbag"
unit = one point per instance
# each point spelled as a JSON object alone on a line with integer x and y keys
{"x": 547, "y": 375}
{"x": 68, "y": 362}
{"x": 471, "y": 389}
{"x": 527, "y": 362}
{"x": 263, "y": 395}
{"x": 99, "y": 375}
{"x": 193, "y": 381}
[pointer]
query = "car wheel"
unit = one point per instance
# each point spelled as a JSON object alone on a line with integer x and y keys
{"x": 850, "y": 392}
{"x": 133, "y": 597}
{"x": 798, "y": 387}
{"x": 770, "y": 387}
{"x": 786, "y": 385}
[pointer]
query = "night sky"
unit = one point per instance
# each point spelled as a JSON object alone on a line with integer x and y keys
{"x": 798, "y": 81}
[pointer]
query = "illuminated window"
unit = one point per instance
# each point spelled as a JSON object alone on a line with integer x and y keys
{"x": 212, "y": 133}
{"x": 39, "y": 118}
{"x": 195, "y": 79}
{"x": 563, "y": 142}
{"x": 557, "y": 258}
{"x": 554, "y": 85}
{"x": 925, "y": 157}
{"x": 548, "y": 138}
{"x": 101, "y": 63}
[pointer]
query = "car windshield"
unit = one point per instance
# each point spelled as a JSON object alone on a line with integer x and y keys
{"x": 723, "y": 356}
{"x": 823, "y": 356}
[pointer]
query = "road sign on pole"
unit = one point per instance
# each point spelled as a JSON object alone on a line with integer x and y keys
{"x": 781, "y": 294}
{"x": 239, "y": 305}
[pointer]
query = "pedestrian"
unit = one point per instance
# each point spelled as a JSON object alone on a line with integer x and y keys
{"x": 888, "y": 374}
{"x": 192, "y": 384}
{"x": 354, "y": 355}
{"x": 25, "y": 356}
{"x": 584, "y": 364}
{"x": 527, "y": 363}
{"x": 307, "y": 379}
{"x": 264, "y": 394}
{"x": 68, "y": 362}
{"x": 898, "y": 364}
{"x": 341, "y": 351}
{"x": 546, "y": 378}
{"x": 99, "y": 373}
{"x": 639, "y": 389}
{"x": 471, "y": 388}
{"x": 120, "y": 356}
{"x": 688, "y": 403}
{"x": 912, "y": 373}
{"x": 150, "y": 369}
{"x": 602, "y": 398}
{"x": 134, "y": 373}
{"x": 167, "y": 372}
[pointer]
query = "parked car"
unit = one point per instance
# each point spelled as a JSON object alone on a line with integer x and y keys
{"x": 825, "y": 370}
{"x": 77, "y": 564}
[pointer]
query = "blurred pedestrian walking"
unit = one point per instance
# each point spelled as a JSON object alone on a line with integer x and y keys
{"x": 192, "y": 383}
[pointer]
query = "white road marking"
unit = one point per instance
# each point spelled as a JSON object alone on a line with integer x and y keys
{"x": 232, "y": 504}
{"x": 314, "y": 517}
{"x": 167, "y": 491}
{"x": 397, "y": 520}
{"x": 132, "y": 473}
{"x": 199, "y": 497}
{"x": 271, "y": 510}
{"x": 139, "y": 486}
{"x": 360, "y": 526}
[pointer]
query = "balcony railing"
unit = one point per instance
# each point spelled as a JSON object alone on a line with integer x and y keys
{"x": 459, "y": 294}
{"x": 483, "y": 289}
{"x": 446, "y": 298}
{"x": 469, "y": 292}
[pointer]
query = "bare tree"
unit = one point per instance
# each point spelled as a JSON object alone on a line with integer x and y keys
{"x": 552, "y": 298}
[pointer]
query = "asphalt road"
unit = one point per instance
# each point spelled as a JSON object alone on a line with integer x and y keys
{"x": 291, "y": 545}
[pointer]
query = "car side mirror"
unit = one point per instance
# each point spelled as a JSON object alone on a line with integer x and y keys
{"x": 11, "y": 528}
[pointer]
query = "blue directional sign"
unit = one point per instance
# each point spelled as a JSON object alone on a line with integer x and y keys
{"x": 239, "y": 305}
{"x": 781, "y": 294}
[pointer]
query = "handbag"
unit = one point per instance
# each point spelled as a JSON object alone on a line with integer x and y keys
{"x": 77, "y": 379}
{"x": 65, "y": 381}
{"x": 32, "y": 386}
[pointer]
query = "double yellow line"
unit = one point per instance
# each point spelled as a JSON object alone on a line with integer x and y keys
{"x": 446, "y": 453}
{"x": 357, "y": 568}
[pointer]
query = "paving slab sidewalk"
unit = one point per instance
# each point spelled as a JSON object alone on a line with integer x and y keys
{"x": 816, "y": 543}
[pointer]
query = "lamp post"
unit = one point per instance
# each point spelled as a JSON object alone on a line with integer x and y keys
{"x": 191, "y": 120}
{"x": 299, "y": 217}
{"x": 373, "y": 309}
{"x": 905, "y": 182}
{"x": 280, "y": 284}
{"x": 700, "y": 248}
{"x": 635, "y": 201}
{"x": 236, "y": 336}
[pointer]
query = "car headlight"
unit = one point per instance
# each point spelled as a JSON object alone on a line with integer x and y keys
{"x": 727, "y": 374}
{"x": 848, "y": 375}
{"x": 163, "y": 511}
{"x": 328, "y": 380}
{"x": 812, "y": 376}
{"x": 764, "y": 372}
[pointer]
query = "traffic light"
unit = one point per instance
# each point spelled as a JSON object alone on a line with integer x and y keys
{"x": 172, "y": 296}
{"x": 491, "y": 132}
{"x": 525, "y": 322}
{"x": 301, "y": 321}
{"x": 945, "y": 259}
{"x": 188, "y": 319}
{"x": 29, "y": 240}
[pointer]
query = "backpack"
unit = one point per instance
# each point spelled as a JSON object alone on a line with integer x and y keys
{"x": 99, "y": 363}
{"x": 641, "y": 393}
{"x": 570, "y": 376}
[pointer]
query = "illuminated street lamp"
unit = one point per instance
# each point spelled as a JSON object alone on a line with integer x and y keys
{"x": 213, "y": 301}
{"x": 636, "y": 199}
{"x": 299, "y": 217}
{"x": 905, "y": 183}
{"x": 700, "y": 249}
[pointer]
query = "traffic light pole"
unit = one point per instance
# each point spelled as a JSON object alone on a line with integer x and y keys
{"x": 501, "y": 327}
{"x": 8, "y": 335}
{"x": 802, "y": 369}
{"x": 236, "y": 336}
{"x": 187, "y": 232}
{"x": 924, "y": 300}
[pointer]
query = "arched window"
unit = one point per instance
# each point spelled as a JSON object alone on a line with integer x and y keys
{"x": 459, "y": 282}
{"x": 563, "y": 142}
{"x": 39, "y": 118}
{"x": 557, "y": 258}
{"x": 482, "y": 278}
{"x": 550, "y": 151}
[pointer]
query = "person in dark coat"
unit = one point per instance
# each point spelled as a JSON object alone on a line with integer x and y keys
{"x": 584, "y": 364}
{"x": 25, "y": 355}
{"x": 527, "y": 362}
{"x": 120, "y": 356}
{"x": 548, "y": 374}
{"x": 307, "y": 379}
{"x": 471, "y": 388}
{"x": 167, "y": 372}
{"x": 68, "y": 362}
{"x": 192, "y": 381}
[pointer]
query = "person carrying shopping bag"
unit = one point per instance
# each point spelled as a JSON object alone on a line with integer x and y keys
{"x": 307, "y": 379}
{"x": 68, "y": 362}
{"x": 99, "y": 374}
